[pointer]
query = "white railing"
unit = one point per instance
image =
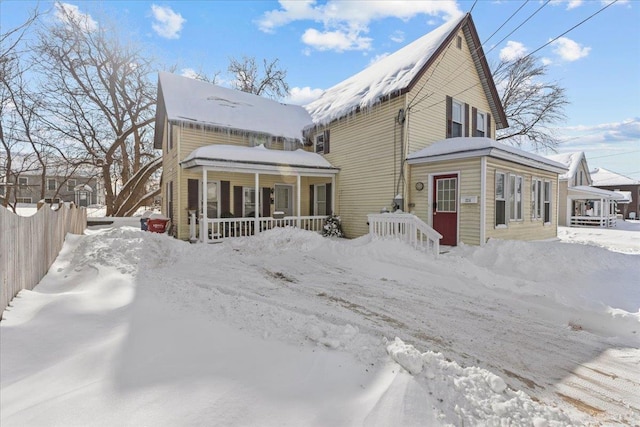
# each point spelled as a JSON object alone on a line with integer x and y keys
{"x": 405, "y": 227}
{"x": 223, "y": 228}
{"x": 597, "y": 221}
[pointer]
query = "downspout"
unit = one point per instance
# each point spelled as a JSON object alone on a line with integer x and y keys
{"x": 483, "y": 199}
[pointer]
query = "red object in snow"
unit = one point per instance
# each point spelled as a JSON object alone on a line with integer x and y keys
{"x": 157, "y": 225}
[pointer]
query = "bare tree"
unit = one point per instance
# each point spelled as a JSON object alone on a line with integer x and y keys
{"x": 532, "y": 106}
{"x": 100, "y": 103}
{"x": 269, "y": 82}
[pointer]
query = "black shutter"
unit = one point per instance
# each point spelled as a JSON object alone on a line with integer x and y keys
{"x": 448, "y": 114}
{"x": 488, "y": 125}
{"x": 326, "y": 141}
{"x": 225, "y": 197}
{"x": 266, "y": 202}
{"x": 311, "y": 200}
{"x": 466, "y": 120}
{"x": 192, "y": 194}
{"x": 474, "y": 121}
{"x": 328, "y": 196}
{"x": 237, "y": 201}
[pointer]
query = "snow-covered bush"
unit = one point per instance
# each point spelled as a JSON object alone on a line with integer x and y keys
{"x": 332, "y": 227}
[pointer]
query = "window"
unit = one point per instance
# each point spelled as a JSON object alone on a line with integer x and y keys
{"x": 501, "y": 207}
{"x": 457, "y": 119}
{"x": 290, "y": 144}
{"x": 71, "y": 184}
{"x": 23, "y": 199}
{"x": 52, "y": 184}
{"x": 256, "y": 140}
{"x": 515, "y": 198}
{"x": 212, "y": 199}
{"x": 320, "y": 143}
{"x": 481, "y": 124}
{"x": 2, "y": 190}
{"x": 169, "y": 135}
{"x": 536, "y": 198}
{"x": 248, "y": 201}
{"x": 547, "y": 202}
{"x": 446, "y": 197}
{"x": 320, "y": 200}
{"x": 459, "y": 42}
{"x": 23, "y": 181}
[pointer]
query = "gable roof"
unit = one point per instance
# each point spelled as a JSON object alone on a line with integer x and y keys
{"x": 182, "y": 99}
{"x": 570, "y": 160}
{"x": 399, "y": 72}
{"x": 604, "y": 178}
{"x": 466, "y": 147}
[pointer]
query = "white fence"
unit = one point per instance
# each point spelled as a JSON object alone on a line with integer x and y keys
{"x": 30, "y": 244}
{"x": 405, "y": 227}
{"x": 222, "y": 228}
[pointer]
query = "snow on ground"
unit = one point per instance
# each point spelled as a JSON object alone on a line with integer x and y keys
{"x": 289, "y": 328}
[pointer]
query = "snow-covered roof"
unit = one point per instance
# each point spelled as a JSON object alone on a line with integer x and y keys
{"x": 586, "y": 190}
{"x": 478, "y": 146}
{"x": 189, "y": 100}
{"x": 387, "y": 76}
{"x": 604, "y": 177}
{"x": 259, "y": 155}
{"x": 570, "y": 160}
{"x": 626, "y": 195}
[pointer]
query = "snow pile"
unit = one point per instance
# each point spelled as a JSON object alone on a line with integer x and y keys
{"x": 287, "y": 327}
{"x": 471, "y": 396}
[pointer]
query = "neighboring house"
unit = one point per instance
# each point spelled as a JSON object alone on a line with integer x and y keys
{"x": 603, "y": 178}
{"x": 414, "y": 131}
{"x": 579, "y": 203}
{"x": 27, "y": 188}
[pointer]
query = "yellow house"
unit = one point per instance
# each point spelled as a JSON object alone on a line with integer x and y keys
{"x": 357, "y": 150}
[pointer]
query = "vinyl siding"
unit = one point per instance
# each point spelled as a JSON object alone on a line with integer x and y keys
{"x": 453, "y": 74}
{"x": 366, "y": 148}
{"x": 469, "y": 184}
{"x": 562, "y": 203}
{"x": 527, "y": 229}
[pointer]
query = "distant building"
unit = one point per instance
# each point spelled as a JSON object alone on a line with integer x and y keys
{"x": 603, "y": 178}
{"x": 27, "y": 188}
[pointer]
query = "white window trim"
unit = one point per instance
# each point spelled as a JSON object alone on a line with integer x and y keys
{"x": 513, "y": 215}
{"x": 502, "y": 199}
{"x": 55, "y": 184}
{"x": 537, "y": 208}
{"x": 483, "y": 115}
{"x": 244, "y": 200}
{"x": 315, "y": 199}
{"x": 544, "y": 202}
{"x": 71, "y": 184}
{"x": 26, "y": 180}
{"x": 455, "y": 102}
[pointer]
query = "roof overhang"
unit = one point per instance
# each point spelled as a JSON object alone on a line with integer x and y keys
{"x": 257, "y": 167}
{"x": 489, "y": 152}
{"x": 583, "y": 191}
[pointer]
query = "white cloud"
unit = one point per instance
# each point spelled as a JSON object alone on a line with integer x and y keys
{"x": 571, "y": 4}
{"x": 189, "y": 72}
{"x": 335, "y": 40}
{"x": 546, "y": 61}
{"x": 68, "y": 13}
{"x": 303, "y": 95}
{"x": 344, "y": 22}
{"x": 397, "y": 36}
{"x": 569, "y": 50}
{"x": 168, "y": 23}
{"x": 513, "y": 50}
{"x": 614, "y": 136}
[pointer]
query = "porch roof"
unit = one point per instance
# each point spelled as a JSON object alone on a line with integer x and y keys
{"x": 584, "y": 191}
{"x": 234, "y": 158}
{"x": 467, "y": 147}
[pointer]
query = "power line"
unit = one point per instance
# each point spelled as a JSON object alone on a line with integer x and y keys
{"x": 617, "y": 154}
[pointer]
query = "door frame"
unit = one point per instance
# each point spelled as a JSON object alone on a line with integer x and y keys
{"x": 291, "y": 198}
{"x": 431, "y": 198}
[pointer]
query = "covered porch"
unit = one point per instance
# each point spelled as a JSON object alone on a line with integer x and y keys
{"x": 241, "y": 191}
{"x": 590, "y": 206}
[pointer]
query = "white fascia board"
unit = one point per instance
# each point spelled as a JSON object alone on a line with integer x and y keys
{"x": 272, "y": 169}
{"x": 490, "y": 152}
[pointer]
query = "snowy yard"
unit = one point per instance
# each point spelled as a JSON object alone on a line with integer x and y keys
{"x": 289, "y": 328}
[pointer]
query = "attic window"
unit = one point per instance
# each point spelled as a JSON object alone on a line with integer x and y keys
{"x": 320, "y": 143}
{"x": 459, "y": 42}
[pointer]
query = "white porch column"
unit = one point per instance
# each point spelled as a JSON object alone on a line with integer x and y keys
{"x": 333, "y": 192}
{"x": 298, "y": 198}
{"x": 602, "y": 216}
{"x": 204, "y": 235}
{"x": 258, "y": 207}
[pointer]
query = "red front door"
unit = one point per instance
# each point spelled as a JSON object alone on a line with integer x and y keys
{"x": 445, "y": 208}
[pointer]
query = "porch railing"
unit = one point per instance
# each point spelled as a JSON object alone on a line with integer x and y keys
{"x": 407, "y": 228}
{"x": 223, "y": 228}
{"x": 593, "y": 221}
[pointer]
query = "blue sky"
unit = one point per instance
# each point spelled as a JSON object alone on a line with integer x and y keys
{"x": 321, "y": 43}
